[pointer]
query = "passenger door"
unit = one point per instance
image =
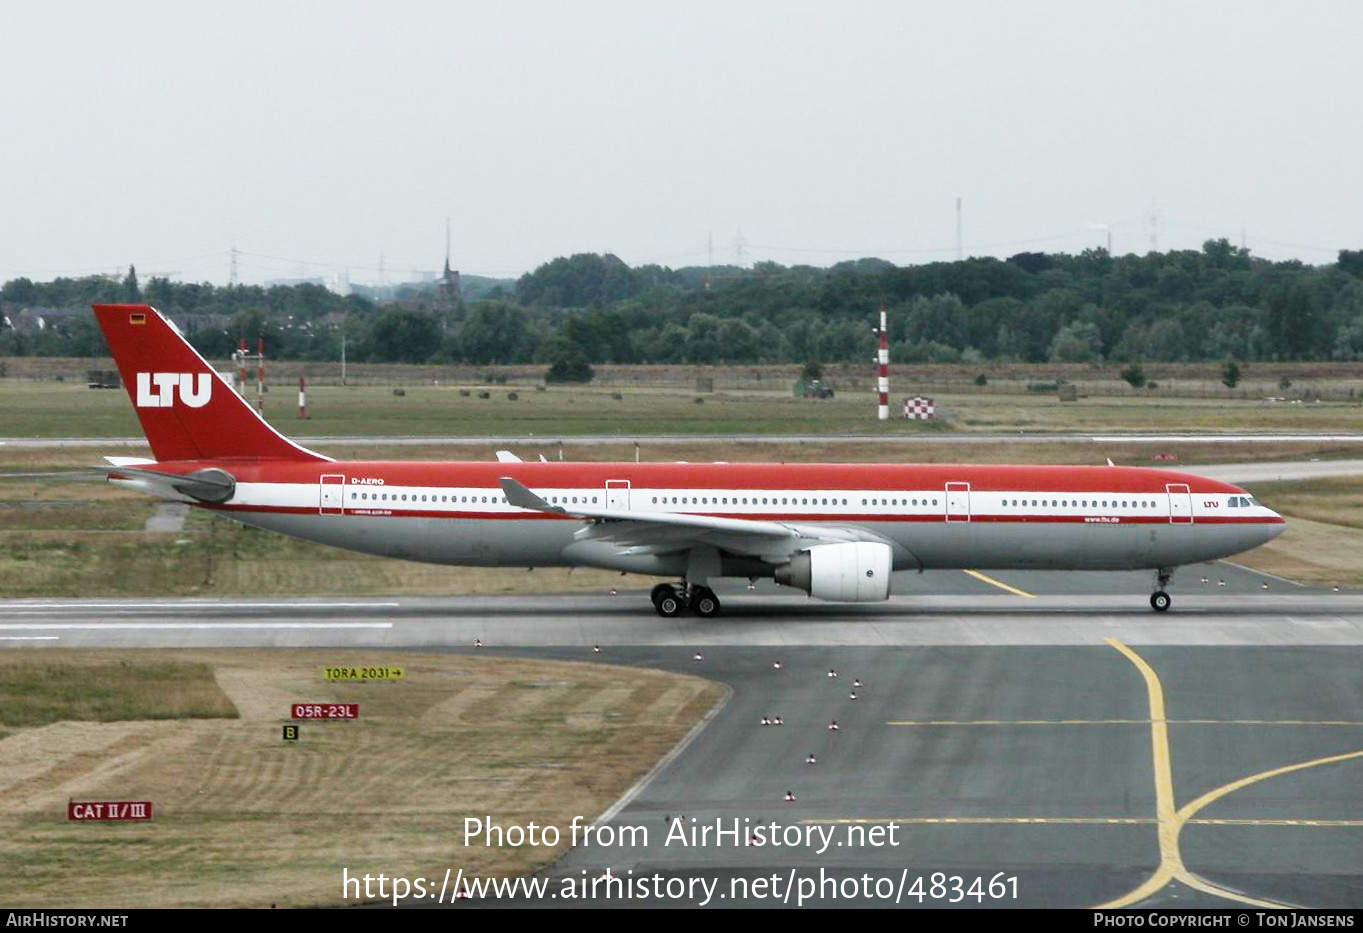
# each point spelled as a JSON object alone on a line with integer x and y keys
{"x": 332, "y": 501}
{"x": 1180, "y": 504}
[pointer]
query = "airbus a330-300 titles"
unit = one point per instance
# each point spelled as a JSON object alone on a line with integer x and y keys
{"x": 835, "y": 531}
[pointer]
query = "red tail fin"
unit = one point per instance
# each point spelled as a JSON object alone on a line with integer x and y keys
{"x": 187, "y": 411}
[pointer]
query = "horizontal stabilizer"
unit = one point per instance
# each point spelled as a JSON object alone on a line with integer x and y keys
{"x": 210, "y": 485}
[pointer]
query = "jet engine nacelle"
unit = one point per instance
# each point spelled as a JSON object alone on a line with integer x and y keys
{"x": 855, "y": 572}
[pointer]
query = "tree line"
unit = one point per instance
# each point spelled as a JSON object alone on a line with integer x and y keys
{"x": 1216, "y": 303}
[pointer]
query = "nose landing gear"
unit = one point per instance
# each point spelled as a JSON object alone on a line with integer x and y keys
{"x": 1160, "y": 600}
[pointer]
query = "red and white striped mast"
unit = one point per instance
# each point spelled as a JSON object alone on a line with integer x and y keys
{"x": 260, "y": 373}
{"x": 883, "y": 384}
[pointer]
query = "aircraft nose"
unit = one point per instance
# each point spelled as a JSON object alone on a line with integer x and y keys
{"x": 1275, "y": 526}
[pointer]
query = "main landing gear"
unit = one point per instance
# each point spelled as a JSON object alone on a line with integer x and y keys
{"x": 672, "y": 601}
{"x": 1160, "y": 600}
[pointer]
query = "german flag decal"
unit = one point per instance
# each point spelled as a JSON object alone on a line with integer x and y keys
{"x": 137, "y": 318}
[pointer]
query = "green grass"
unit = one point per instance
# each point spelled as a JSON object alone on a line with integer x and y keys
{"x": 35, "y": 691}
{"x": 29, "y": 409}
{"x": 1323, "y": 542}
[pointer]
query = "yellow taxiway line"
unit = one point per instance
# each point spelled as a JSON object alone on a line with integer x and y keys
{"x": 984, "y": 578}
{"x": 1073, "y": 820}
{"x": 1169, "y": 819}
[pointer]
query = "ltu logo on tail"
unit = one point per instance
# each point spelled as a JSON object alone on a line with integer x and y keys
{"x": 157, "y": 390}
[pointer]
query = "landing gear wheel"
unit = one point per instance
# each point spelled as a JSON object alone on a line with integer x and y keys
{"x": 705, "y": 603}
{"x": 668, "y": 602}
{"x": 1159, "y": 601}
{"x": 661, "y": 590}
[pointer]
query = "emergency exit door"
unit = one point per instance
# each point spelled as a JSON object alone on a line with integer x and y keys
{"x": 958, "y": 502}
{"x": 617, "y": 494}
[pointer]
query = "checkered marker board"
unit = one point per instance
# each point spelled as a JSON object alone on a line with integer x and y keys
{"x": 920, "y": 409}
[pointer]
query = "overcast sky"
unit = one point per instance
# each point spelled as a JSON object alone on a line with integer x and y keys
{"x": 320, "y": 136}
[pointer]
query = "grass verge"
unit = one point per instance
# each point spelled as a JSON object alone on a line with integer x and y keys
{"x": 243, "y": 819}
{"x": 38, "y": 689}
{"x": 1323, "y": 543}
{"x": 45, "y": 409}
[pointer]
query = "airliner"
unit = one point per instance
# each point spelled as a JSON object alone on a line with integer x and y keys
{"x": 833, "y": 531}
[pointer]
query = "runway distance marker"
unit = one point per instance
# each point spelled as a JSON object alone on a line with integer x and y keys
{"x": 325, "y": 711}
{"x": 363, "y": 672}
{"x": 106, "y": 811}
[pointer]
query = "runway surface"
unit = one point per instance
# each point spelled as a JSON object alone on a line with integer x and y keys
{"x": 1234, "y": 606}
{"x": 1043, "y": 727}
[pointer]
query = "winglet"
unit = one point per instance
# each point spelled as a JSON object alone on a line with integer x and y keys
{"x": 522, "y": 498}
{"x": 506, "y": 456}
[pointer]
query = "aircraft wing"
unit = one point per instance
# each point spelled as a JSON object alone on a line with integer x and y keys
{"x": 639, "y": 531}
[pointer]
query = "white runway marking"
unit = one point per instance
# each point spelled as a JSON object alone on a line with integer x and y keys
{"x": 165, "y": 604}
{"x": 209, "y": 626}
{"x": 30, "y": 637}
